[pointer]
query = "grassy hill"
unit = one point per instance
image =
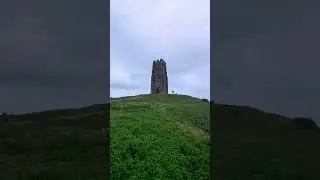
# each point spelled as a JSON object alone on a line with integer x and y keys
{"x": 251, "y": 144}
{"x": 159, "y": 137}
{"x": 152, "y": 137}
{"x": 60, "y": 144}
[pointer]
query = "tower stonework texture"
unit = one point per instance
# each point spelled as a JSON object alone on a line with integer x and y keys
{"x": 159, "y": 78}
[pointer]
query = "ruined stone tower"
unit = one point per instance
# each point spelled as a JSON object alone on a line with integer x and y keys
{"x": 159, "y": 78}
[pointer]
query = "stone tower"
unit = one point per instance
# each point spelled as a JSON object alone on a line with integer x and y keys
{"x": 159, "y": 78}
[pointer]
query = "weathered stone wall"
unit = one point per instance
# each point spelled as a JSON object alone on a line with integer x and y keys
{"x": 159, "y": 78}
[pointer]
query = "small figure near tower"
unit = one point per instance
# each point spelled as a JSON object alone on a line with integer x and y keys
{"x": 159, "y": 78}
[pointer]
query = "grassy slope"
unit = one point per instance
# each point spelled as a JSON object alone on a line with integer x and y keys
{"x": 251, "y": 144}
{"x": 152, "y": 137}
{"x": 62, "y": 144}
{"x": 159, "y": 137}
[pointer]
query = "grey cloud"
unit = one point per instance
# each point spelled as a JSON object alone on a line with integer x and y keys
{"x": 139, "y": 61}
{"x": 55, "y": 51}
{"x": 116, "y": 85}
{"x": 265, "y": 56}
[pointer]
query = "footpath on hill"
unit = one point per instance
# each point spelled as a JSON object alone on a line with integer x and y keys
{"x": 159, "y": 137}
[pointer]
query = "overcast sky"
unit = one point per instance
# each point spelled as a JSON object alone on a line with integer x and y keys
{"x": 53, "y": 54}
{"x": 266, "y": 55}
{"x": 177, "y": 31}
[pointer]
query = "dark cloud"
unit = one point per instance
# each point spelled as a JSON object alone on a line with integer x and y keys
{"x": 53, "y": 54}
{"x": 265, "y": 55}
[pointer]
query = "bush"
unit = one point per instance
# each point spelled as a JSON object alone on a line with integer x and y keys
{"x": 305, "y": 123}
{"x": 4, "y": 116}
{"x": 204, "y": 100}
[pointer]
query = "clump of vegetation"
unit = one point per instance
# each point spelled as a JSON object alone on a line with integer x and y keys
{"x": 4, "y": 116}
{"x": 305, "y": 123}
{"x": 204, "y": 100}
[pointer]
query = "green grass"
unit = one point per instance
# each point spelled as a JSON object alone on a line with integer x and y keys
{"x": 159, "y": 137}
{"x": 152, "y": 137}
{"x": 249, "y": 144}
{"x": 61, "y": 144}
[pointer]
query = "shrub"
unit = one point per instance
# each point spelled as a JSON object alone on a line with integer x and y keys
{"x": 4, "y": 116}
{"x": 305, "y": 123}
{"x": 204, "y": 100}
